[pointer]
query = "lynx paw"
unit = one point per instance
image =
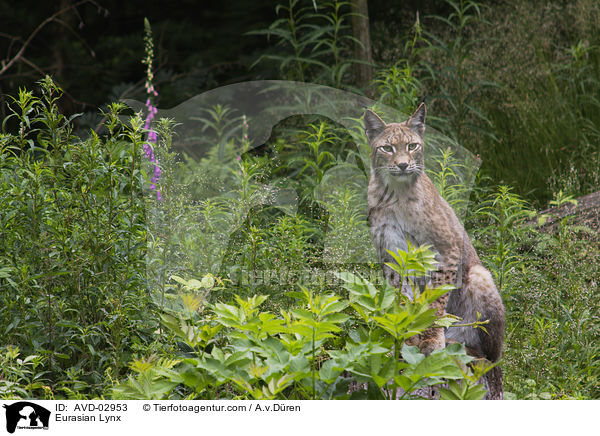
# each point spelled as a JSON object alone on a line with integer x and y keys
{"x": 431, "y": 342}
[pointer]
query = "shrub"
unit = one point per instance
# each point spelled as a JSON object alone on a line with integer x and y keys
{"x": 72, "y": 225}
{"x": 313, "y": 351}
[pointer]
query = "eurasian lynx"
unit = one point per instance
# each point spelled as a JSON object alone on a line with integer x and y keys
{"x": 405, "y": 205}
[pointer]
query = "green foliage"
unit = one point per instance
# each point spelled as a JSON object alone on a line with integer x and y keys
{"x": 501, "y": 218}
{"x": 518, "y": 84}
{"x": 552, "y": 302}
{"x": 543, "y": 113}
{"x": 512, "y": 82}
{"x": 236, "y": 350}
{"x": 72, "y": 225}
{"x": 444, "y": 173}
{"x": 563, "y": 101}
{"x": 398, "y": 87}
{"x": 455, "y": 87}
{"x": 20, "y": 378}
{"x": 314, "y": 41}
{"x": 85, "y": 259}
{"x": 467, "y": 389}
{"x": 242, "y": 214}
{"x": 149, "y": 381}
{"x": 318, "y": 160}
{"x": 549, "y": 284}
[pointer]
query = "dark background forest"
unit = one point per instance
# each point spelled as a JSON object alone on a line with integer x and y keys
{"x": 508, "y": 65}
{"x": 201, "y": 44}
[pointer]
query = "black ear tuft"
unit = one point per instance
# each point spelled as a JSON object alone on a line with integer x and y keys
{"x": 374, "y": 125}
{"x": 417, "y": 120}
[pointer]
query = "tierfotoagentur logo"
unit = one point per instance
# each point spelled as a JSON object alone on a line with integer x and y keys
{"x": 26, "y": 415}
{"x": 213, "y": 193}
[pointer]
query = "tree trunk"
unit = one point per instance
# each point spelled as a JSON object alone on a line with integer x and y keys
{"x": 363, "y": 72}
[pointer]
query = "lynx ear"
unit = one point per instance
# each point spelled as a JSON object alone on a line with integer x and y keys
{"x": 417, "y": 120}
{"x": 373, "y": 125}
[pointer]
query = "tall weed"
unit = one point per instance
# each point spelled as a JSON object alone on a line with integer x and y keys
{"x": 72, "y": 222}
{"x": 314, "y": 40}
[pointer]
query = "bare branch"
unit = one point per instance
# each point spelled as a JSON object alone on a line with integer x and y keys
{"x": 43, "y": 73}
{"x": 6, "y": 64}
{"x": 76, "y": 35}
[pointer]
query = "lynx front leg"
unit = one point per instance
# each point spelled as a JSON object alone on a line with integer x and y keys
{"x": 392, "y": 277}
{"x": 434, "y": 338}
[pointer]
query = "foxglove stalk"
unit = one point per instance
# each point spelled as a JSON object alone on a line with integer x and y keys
{"x": 151, "y": 109}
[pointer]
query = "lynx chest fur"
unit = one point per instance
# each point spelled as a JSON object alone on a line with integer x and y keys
{"x": 398, "y": 214}
{"x": 404, "y": 205}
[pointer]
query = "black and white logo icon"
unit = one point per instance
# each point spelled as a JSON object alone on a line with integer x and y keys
{"x": 26, "y": 415}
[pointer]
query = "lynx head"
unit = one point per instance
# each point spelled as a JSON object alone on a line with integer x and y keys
{"x": 396, "y": 148}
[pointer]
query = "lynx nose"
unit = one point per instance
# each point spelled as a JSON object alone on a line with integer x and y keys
{"x": 402, "y": 166}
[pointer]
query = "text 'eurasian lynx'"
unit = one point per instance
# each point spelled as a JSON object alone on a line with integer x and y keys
{"x": 405, "y": 205}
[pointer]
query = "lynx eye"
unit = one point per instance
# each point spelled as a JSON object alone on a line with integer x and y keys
{"x": 387, "y": 148}
{"x": 412, "y": 146}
